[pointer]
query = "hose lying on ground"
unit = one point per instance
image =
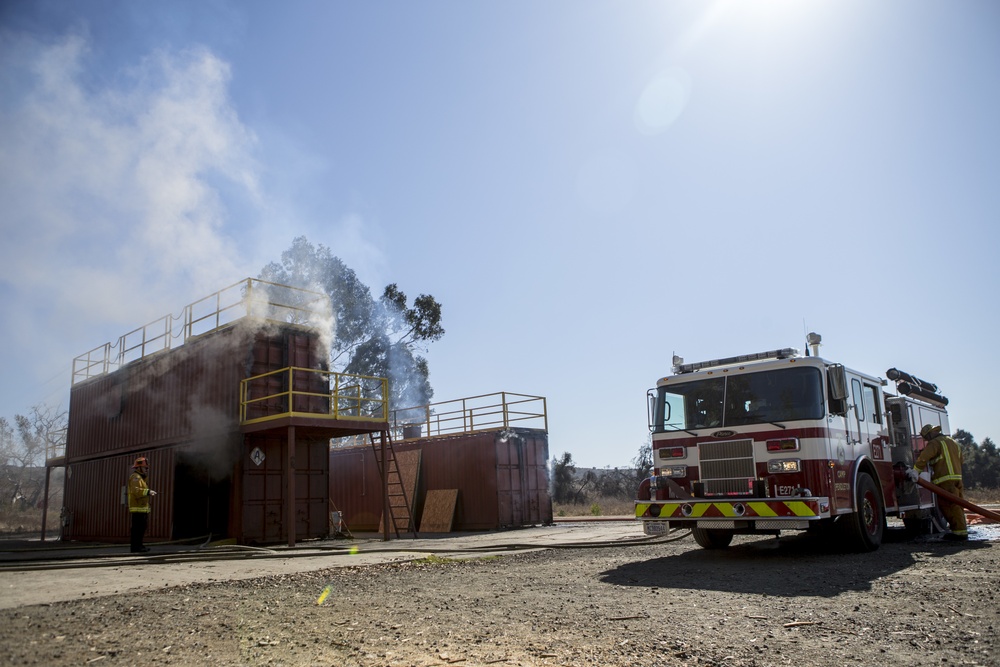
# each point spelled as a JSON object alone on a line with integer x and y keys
{"x": 242, "y": 553}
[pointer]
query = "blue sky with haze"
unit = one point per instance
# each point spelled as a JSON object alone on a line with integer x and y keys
{"x": 587, "y": 187}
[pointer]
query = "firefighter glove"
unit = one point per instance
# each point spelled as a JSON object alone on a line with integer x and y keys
{"x": 152, "y": 493}
{"x": 912, "y": 474}
{"x": 926, "y": 475}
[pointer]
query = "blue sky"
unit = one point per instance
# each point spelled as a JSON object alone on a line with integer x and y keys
{"x": 587, "y": 187}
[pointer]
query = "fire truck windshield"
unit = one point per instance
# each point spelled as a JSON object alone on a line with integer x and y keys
{"x": 765, "y": 397}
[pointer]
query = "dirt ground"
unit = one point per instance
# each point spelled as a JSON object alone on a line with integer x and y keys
{"x": 763, "y": 601}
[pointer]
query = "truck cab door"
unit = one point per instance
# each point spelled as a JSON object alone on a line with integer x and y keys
{"x": 867, "y": 418}
{"x": 858, "y": 415}
{"x": 858, "y": 441}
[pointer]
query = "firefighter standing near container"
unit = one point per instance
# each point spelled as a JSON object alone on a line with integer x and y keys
{"x": 139, "y": 494}
{"x": 944, "y": 455}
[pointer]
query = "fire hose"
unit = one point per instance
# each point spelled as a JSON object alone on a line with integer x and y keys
{"x": 934, "y": 488}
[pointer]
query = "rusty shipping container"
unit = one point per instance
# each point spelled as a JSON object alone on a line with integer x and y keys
{"x": 501, "y": 476}
{"x": 181, "y": 409}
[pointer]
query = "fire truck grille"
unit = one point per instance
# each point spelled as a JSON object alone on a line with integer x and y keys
{"x": 727, "y": 468}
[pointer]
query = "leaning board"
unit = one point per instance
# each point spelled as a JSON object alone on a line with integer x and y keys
{"x": 439, "y": 511}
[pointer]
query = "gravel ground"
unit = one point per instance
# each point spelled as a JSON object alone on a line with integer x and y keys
{"x": 763, "y": 601}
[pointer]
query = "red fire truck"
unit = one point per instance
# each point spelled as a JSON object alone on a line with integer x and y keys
{"x": 777, "y": 441}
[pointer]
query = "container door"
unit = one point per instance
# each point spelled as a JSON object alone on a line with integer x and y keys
{"x": 510, "y": 484}
{"x": 312, "y": 489}
{"x": 263, "y": 490}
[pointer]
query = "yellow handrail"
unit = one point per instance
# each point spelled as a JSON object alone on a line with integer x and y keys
{"x": 309, "y": 392}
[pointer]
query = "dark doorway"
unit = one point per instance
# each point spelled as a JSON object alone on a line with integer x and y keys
{"x": 201, "y": 500}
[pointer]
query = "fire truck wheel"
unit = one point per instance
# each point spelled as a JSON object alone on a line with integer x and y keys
{"x": 709, "y": 538}
{"x": 865, "y": 527}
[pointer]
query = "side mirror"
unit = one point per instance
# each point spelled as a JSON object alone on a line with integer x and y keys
{"x": 838, "y": 382}
{"x": 837, "y": 385}
{"x": 651, "y": 409}
{"x": 656, "y": 419}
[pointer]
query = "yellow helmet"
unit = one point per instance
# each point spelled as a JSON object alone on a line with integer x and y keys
{"x": 929, "y": 432}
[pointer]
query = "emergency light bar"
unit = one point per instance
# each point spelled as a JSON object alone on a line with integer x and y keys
{"x": 783, "y": 353}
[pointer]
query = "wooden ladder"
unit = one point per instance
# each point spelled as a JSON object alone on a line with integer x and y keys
{"x": 397, "y": 504}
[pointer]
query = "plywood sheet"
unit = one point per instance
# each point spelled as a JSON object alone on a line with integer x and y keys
{"x": 409, "y": 471}
{"x": 439, "y": 511}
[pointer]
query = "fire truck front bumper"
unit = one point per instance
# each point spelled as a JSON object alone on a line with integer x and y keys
{"x": 748, "y": 515}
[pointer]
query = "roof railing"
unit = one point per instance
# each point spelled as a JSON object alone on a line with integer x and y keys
{"x": 248, "y": 298}
{"x": 499, "y": 411}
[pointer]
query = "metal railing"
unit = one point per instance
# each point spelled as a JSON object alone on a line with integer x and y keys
{"x": 248, "y": 298}
{"x": 55, "y": 444}
{"x": 499, "y": 410}
{"x": 488, "y": 412}
{"x": 307, "y": 392}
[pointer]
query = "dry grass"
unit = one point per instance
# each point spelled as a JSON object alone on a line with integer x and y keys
{"x": 595, "y": 507}
{"x": 983, "y": 496}
{"x": 28, "y": 522}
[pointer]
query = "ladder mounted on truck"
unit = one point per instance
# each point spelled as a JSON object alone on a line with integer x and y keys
{"x": 396, "y": 510}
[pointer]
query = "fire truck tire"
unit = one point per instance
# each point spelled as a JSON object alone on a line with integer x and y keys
{"x": 710, "y": 538}
{"x": 864, "y": 528}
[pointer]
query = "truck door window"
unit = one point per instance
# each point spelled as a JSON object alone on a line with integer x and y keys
{"x": 871, "y": 405}
{"x": 858, "y": 399}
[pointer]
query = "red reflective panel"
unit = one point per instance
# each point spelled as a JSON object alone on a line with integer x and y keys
{"x": 783, "y": 445}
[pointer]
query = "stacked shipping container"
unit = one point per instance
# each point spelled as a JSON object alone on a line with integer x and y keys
{"x": 180, "y": 409}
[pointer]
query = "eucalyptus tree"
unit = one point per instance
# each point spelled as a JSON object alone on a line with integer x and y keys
{"x": 376, "y": 337}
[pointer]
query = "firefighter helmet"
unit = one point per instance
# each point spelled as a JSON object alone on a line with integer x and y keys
{"x": 141, "y": 462}
{"x": 928, "y": 432}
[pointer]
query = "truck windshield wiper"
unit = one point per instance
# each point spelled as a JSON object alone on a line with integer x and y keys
{"x": 681, "y": 429}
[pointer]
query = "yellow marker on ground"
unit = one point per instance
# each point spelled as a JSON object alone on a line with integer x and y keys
{"x": 324, "y": 594}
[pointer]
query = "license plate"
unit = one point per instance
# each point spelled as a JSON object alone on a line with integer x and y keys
{"x": 655, "y": 527}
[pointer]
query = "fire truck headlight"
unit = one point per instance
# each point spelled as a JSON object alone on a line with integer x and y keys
{"x": 784, "y": 465}
{"x": 677, "y": 471}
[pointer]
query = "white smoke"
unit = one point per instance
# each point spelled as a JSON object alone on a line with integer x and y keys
{"x": 268, "y": 304}
{"x": 113, "y": 190}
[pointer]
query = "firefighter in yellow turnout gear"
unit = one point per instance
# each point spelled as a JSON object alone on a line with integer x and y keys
{"x": 944, "y": 455}
{"x": 139, "y": 494}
